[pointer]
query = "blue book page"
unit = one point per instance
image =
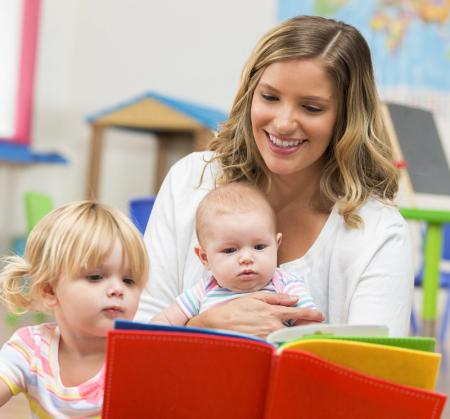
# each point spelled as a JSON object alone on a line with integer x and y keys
{"x": 131, "y": 325}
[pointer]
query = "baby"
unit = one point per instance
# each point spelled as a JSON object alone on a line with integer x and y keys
{"x": 238, "y": 244}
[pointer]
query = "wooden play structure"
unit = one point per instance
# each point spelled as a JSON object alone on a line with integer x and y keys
{"x": 165, "y": 117}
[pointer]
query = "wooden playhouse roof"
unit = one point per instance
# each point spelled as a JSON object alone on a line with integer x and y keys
{"x": 154, "y": 112}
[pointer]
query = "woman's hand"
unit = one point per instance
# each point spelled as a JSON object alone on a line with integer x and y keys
{"x": 259, "y": 314}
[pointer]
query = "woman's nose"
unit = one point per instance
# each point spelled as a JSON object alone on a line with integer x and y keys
{"x": 286, "y": 122}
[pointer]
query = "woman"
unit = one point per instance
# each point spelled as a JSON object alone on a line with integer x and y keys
{"x": 306, "y": 128}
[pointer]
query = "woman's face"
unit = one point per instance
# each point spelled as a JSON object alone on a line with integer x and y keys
{"x": 293, "y": 114}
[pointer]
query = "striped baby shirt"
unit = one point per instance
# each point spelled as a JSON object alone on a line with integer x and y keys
{"x": 207, "y": 293}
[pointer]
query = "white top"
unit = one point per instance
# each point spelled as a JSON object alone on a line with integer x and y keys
{"x": 355, "y": 276}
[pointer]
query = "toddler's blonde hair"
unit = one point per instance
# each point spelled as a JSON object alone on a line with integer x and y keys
{"x": 74, "y": 237}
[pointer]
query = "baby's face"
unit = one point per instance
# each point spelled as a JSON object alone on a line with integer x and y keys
{"x": 241, "y": 250}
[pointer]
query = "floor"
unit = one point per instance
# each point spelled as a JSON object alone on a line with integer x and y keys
{"x": 17, "y": 407}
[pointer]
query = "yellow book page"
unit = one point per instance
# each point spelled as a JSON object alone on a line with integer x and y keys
{"x": 400, "y": 365}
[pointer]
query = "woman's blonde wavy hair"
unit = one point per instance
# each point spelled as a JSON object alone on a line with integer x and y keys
{"x": 359, "y": 161}
{"x": 74, "y": 237}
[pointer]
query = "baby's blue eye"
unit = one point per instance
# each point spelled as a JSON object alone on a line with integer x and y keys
{"x": 260, "y": 246}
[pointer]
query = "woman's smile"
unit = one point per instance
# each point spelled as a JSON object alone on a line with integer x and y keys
{"x": 284, "y": 145}
{"x": 293, "y": 114}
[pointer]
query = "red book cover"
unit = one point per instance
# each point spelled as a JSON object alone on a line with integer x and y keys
{"x": 305, "y": 386}
{"x": 191, "y": 375}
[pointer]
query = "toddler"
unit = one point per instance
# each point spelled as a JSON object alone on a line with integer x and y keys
{"x": 85, "y": 263}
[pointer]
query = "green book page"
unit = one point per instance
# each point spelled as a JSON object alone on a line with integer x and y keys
{"x": 417, "y": 343}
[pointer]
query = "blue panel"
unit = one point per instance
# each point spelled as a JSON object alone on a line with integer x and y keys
{"x": 17, "y": 153}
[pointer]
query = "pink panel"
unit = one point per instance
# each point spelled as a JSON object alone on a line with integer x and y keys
{"x": 27, "y": 66}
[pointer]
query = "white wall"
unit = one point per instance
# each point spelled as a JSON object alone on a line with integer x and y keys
{"x": 93, "y": 54}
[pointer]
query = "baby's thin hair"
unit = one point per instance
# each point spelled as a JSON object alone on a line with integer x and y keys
{"x": 231, "y": 198}
{"x": 74, "y": 237}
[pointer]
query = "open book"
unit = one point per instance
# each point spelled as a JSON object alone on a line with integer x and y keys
{"x": 177, "y": 372}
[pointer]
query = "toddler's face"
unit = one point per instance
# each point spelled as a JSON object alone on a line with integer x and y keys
{"x": 240, "y": 250}
{"x": 88, "y": 303}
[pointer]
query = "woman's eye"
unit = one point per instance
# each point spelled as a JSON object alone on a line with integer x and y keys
{"x": 129, "y": 281}
{"x": 229, "y": 250}
{"x": 312, "y": 109}
{"x": 269, "y": 98}
{"x": 94, "y": 277}
{"x": 260, "y": 246}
